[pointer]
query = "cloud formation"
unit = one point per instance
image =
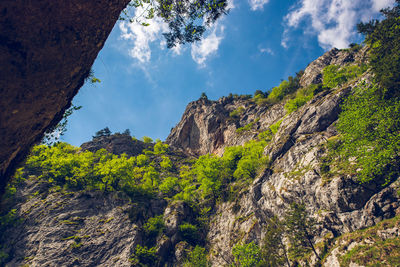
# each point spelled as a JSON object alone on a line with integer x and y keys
{"x": 257, "y": 4}
{"x": 208, "y": 46}
{"x": 333, "y": 21}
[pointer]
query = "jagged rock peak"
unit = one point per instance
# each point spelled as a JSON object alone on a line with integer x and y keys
{"x": 208, "y": 126}
{"x": 116, "y": 144}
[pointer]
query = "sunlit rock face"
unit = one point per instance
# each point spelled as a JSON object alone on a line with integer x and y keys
{"x": 46, "y": 51}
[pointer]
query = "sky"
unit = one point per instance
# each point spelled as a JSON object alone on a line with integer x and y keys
{"x": 145, "y": 87}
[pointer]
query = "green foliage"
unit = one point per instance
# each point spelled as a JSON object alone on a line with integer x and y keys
{"x": 204, "y": 96}
{"x": 273, "y": 250}
{"x": 187, "y": 20}
{"x": 274, "y": 127}
{"x": 144, "y": 257}
{"x": 236, "y": 112}
{"x": 153, "y": 227}
{"x": 142, "y": 160}
{"x": 383, "y": 38}
{"x": 189, "y": 233}
{"x": 166, "y": 163}
{"x": 103, "y": 132}
{"x": 247, "y": 255}
{"x": 302, "y": 229}
{"x": 247, "y": 127}
{"x": 147, "y": 140}
{"x": 52, "y": 135}
{"x": 285, "y": 88}
{"x": 302, "y": 96}
{"x": 370, "y": 129}
{"x": 251, "y": 161}
{"x": 197, "y": 258}
{"x": 169, "y": 185}
{"x": 334, "y": 75}
{"x": 160, "y": 148}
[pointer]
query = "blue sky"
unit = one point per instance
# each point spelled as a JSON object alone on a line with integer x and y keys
{"x": 145, "y": 87}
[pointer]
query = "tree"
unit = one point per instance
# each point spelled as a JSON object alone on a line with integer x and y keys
{"x": 247, "y": 255}
{"x": 187, "y": 19}
{"x": 127, "y": 132}
{"x": 53, "y": 134}
{"x": 383, "y": 38}
{"x": 203, "y": 96}
{"x": 273, "y": 251}
{"x": 301, "y": 229}
{"x": 103, "y": 132}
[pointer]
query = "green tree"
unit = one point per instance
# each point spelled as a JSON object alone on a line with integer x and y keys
{"x": 383, "y": 38}
{"x": 197, "y": 258}
{"x": 273, "y": 250}
{"x": 187, "y": 20}
{"x": 301, "y": 229}
{"x": 247, "y": 255}
{"x": 370, "y": 128}
{"x": 103, "y": 132}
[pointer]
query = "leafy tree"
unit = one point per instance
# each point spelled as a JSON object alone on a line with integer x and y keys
{"x": 153, "y": 227}
{"x": 144, "y": 256}
{"x": 147, "y": 140}
{"x": 197, "y": 258}
{"x": 166, "y": 163}
{"x": 383, "y": 38}
{"x": 370, "y": 129}
{"x": 273, "y": 251}
{"x": 127, "y": 132}
{"x": 187, "y": 20}
{"x": 52, "y": 135}
{"x": 247, "y": 255}
{"x": 160, "y": 148}
{"x": 285, "y": 88}
{"x": 103, "y": 132}
{"x": 189, "y": 232}
{"x": 301, "y": 228}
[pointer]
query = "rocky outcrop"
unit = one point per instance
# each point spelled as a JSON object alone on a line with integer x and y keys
{"x": 116, "y": 144}
{"x": 46, "y": 51}
{"x": 103, "y": 229}
{"x": 207, "y": 126}
{"x": 313, "y": 72}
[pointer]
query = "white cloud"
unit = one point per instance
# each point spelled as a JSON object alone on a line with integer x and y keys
{"x": 257, "y": 4}
{"x": 142, "y": 36}
{"x": 266, "y": 50}
{"x": 208, "y": 46}
{"x": 333, "y": 21}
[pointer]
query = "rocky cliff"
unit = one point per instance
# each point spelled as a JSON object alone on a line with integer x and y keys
{"x": 50, "y": 226}
{"x": 47, "y": 49}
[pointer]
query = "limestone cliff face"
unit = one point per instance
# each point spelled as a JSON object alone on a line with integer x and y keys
{"x": 207, "y": 127}
{"x": 116, "y": 144}
{"x": 102, "y": 229}
{"x": 46, "y": 51}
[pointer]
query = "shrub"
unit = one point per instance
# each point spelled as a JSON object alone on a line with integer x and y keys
{"x": 147, "y": 140}
{"x": 169, "y": 185}
{"x": 189, "y": 233}
{"x": 334, "y": 75}
{"x": 285, "y": 88}
{"x": 144, "y": 256}
{"x": 247, "y": 255}
{"x": 153, "y": 227}
{"x": 166, "y": 163}
{"x": 274, "y": 127}
{"x": 236, "y": 112}
{"x": 383, "y": 38}
{"x": 160, "y": 148}
{"x": 197, "y": 258}
{"x": 370, "y": 128}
